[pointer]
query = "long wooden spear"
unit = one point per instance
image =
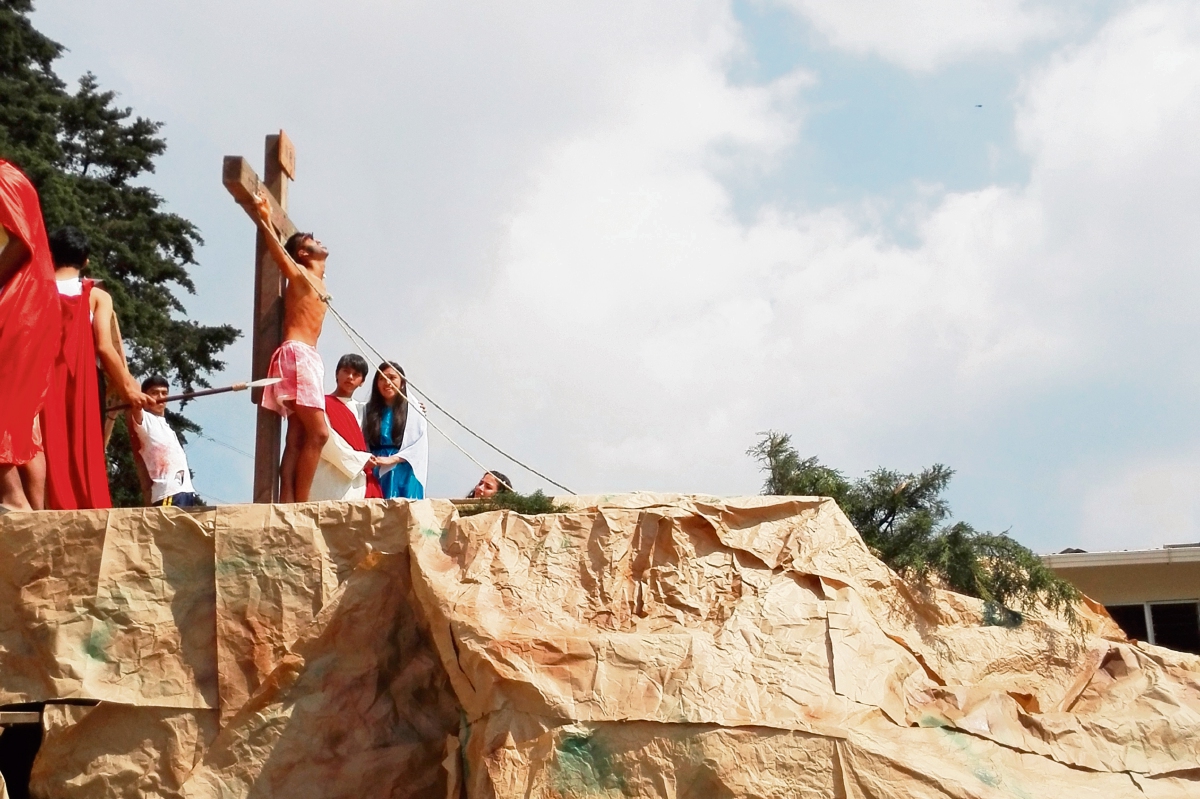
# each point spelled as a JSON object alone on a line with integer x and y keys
{"x": 266, "y": 381}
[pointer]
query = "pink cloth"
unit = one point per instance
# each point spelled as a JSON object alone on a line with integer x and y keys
{"x": 303, "y": 374}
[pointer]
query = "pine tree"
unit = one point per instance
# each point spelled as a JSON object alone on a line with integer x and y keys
{"x": 85, "y": 155}
{"x": 905, "y": 520}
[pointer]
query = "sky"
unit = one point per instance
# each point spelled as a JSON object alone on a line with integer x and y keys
{"x": 622, "y": 239}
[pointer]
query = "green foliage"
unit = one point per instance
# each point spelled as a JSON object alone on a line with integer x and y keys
{"x": 525, "y": 504}
{"x": 905, "y": 520}
{"x": 84, "y": 155}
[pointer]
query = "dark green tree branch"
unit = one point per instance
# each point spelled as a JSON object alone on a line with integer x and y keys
{"x": 906, "y": 521}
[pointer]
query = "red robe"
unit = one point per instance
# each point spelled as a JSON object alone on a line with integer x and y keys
{"x": 73, "y": 428}
{"x": 342, "y": 420}
{"x": 29, "y": 320}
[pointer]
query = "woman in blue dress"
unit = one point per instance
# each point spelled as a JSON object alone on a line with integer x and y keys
{"x": 395, "y": 437}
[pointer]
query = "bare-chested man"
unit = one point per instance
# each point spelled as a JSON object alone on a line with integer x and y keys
{"x": 300, "y": 397}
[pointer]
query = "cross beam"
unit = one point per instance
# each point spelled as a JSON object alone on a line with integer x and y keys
{"x": 243, "y": 184}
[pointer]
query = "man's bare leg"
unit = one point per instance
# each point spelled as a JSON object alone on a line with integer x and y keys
{"x": 316, "y": 433}
{"x": 12, "y": 493}
{"x": 292, "y": 445}
{"x": 33, "y": 480}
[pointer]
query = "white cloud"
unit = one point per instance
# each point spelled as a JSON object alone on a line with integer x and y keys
{"x": 1144, "y": 506}
{"x": 671, "y": 332}
{"x": 924, "y": 34}
{"x": 1109, "y": 126}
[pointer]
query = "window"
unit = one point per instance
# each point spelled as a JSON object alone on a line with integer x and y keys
{"x": 1175, "y": 625}
{"x": 1131, "y": 619}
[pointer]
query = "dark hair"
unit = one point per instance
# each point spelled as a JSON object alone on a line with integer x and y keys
{"x": 295, "y": 242}
{"x": 69, "y": 246}
{"x": 354, "y": 361}
{"x": 373, "y": 415}
{"x": 155, "y": 381}
{"x": 501, "y": 478}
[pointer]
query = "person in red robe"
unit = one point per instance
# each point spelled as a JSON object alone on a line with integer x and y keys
{"x": 73, "y": 417}
{"x": 343, "y": 422}
{"x": 29, "y": 336}
{"x": 346, "y": 469}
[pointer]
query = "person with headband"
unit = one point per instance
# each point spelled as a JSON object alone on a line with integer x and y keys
{"x": 158, "y": 450}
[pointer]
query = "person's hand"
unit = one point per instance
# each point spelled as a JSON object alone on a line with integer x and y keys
{"x": 138, "y": 399}
{"x": 372, "y": 462}
{"x": 262, "y": 204}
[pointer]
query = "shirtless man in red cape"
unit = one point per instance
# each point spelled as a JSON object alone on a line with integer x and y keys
{"x": 300, "y": 397}
{"x": 30, "y": 329}
{"x": 73, "y": 418}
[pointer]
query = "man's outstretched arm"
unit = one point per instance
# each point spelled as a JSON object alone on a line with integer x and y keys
{"x": 291, "y": 270}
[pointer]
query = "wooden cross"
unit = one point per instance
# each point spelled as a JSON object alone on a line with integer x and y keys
{"x": 243, "y": 184}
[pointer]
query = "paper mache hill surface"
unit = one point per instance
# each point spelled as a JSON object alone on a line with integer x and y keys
{"x": 641, "y": 645}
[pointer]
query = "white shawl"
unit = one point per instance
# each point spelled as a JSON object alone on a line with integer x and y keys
{"x": 415, "y": 446}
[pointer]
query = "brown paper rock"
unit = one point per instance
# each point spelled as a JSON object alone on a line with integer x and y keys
{"x": 639, "y": 645}
{"x": 118, "y": 750}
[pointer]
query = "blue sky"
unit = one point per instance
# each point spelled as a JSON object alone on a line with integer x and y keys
{"x": 878, "y": 129}
{"x": 623, "y": 239}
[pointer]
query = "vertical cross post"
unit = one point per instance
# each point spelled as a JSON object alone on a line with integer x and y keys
{"x": 268, "y": 321}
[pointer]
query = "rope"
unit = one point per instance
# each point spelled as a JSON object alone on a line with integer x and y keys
{"x": 220, "y": 443}
{"x": 355, "y": 339}
{"x": 351, "y": 332}
{"x": 412, "y": 406}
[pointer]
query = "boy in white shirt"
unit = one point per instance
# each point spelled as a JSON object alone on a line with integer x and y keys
{"x": 160, "y": 451}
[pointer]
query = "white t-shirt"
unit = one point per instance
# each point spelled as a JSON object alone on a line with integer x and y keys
{"x": 164, "y": 458}
{"x": 73, "y": 287}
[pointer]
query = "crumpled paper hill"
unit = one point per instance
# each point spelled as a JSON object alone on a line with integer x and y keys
{"x": 641, "y": 645}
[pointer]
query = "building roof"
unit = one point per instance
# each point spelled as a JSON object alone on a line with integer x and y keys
{"x": 1171, "y": 553}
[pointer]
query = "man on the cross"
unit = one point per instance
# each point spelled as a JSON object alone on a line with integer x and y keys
{"x": 300, "y": 396}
